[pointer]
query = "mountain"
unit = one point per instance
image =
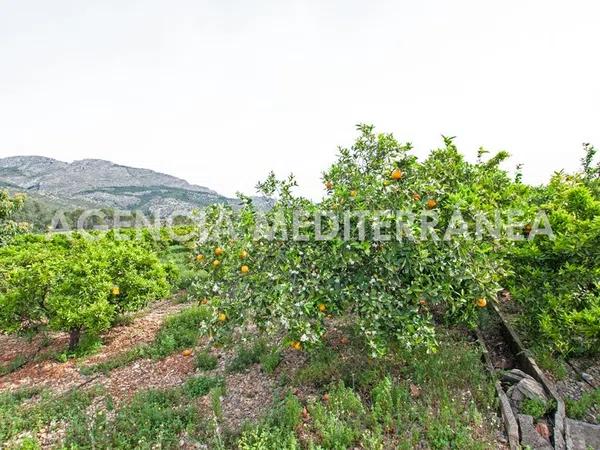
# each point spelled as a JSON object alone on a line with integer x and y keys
{"x": 95, "y": 183}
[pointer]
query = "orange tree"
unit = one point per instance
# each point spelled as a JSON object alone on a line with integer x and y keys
{"x": 557, "y": 281}
{"x": 271, "y": 270}
{"x": 8, "y": 206}
{"x": 74, "y": 284}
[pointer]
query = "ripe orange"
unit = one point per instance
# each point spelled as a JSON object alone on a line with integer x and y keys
{"x": 296, "y": 345}
{"x": 481, "y": 302}
{"x": 431, "y": 203}
{"x": 216, "y": 263}
{"x": 397, "y": 174}
{"x": 353, "y": 193}
{"x": 187, "y": 353}
{"x": 199, "y": 258}
{"x": 245, "y": 269}
{"x": 416, "y": 196}
{"x": 219, "y": 251}
{"x": 116, "y": 291}
{"x": 222, "y": 317}
{"x": 243, "y": 254}
{"x": 322, "y": 307}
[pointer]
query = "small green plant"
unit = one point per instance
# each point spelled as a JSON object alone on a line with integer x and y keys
{"x": 577, "y": 409}
{"x": 267, "y": 438}
{"x": 535, "y": 407}
{"x": 270, "y": 360}
{"x": 206, "y": 361}
{"x": 13, "y": 365}
{"x": 179, "y": 331}
{"x": 247, "y": 356}
{"x": 200, "y": 386}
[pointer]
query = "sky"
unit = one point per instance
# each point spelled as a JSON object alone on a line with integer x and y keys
{"x": 221, "y": 92}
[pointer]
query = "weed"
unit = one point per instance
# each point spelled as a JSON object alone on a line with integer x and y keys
{"x": 13, "y": 365}
{"x": 248, "y": 356}
{"x": 270, "y": 360}
{"x": 200, "y": 386}
{"x": 206, "y": 361}
{"x": 577, "y": 409}
{"x": 179, "y": 331}
{"x": 535, "y": 407}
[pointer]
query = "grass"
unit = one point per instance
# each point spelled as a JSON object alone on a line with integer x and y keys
{"x": 200, "y": 386}
{"x": 536, "y": 407}
{"x": 248, "y": 355}
{"x": 551, "y": 363}
{"x": 578, "y": 409}
{"x": 152, "y": 419}
{"x": 369, "y": 403}
{"x": 13, "y": 365}
{"x": 178, "y": 332}
{"x": 360, "y": 402}
{"x": 17, "y": 415}
{"x": 206, "y": 361}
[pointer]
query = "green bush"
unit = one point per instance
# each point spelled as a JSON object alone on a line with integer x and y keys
{"x": 557, "y": 281}
{"x": 75, "y": 284}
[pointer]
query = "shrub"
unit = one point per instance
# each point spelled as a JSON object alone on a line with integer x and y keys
{"x": 75, "y": 284}
{"x": 557, "y": 280}
{"x": 8, "y": 206}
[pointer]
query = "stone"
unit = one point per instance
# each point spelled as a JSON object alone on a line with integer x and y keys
{"x": 543, "y": 430}
{"x": 527, "y": 388}
{"x": 529, "y": 435}
{"x": 582, "y": 435}
{"x": 587, "y": 377}
{"x": 513, "y": 376}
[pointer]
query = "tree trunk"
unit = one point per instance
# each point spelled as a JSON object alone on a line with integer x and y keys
{"x": 74, "y": 336}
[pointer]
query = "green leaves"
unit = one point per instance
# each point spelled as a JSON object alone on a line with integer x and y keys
{"x": 69, "y": 284}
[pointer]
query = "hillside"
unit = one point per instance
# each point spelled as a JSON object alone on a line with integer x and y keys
{"x": 94, "y": 183}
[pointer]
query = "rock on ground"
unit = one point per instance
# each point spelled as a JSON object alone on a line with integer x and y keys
{"x": 529, "y": 435}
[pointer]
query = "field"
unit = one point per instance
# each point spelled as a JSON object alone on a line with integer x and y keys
{"x": 346, "y": 323}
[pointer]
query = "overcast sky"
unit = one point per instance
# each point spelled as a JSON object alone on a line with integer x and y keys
{"x": 220, "y": 92}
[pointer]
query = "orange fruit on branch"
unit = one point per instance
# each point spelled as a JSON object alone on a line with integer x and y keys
{"x": 431, "y": 203}
{"x": 322, "y": 307}
{"x": 216, "y": 263}
{"x": 296, "y": 345}
{"x": 245, "y": 269}
{"x": 353, "y": 193}
{"x": 116, "y": 291}
{"x": 329, "y": 185}
{"x": 219, "y": 251}
{"x": 222, "y": 317}
{"x": 481, "y": 302}
{"x": 199, "y": 258}
{"x": 243, "y": 254}
{"x": 397, "y": 174}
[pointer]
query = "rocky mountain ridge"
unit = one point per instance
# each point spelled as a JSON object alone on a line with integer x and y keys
{"x": 102, "y": 184}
